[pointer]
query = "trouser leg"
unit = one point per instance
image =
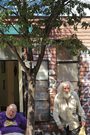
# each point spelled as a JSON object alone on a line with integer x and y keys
{"x": 63, "y": 132}
{"x": 66, "y": 131}
{"x": 75, "y": 131}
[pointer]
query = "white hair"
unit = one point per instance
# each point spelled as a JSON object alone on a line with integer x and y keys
{"x": 12, "y": 106}
{"x": 61, "y": 86}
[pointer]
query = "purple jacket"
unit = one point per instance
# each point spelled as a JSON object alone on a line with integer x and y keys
{"x": 17, "y": 124}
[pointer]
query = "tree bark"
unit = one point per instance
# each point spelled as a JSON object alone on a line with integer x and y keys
{"x": 30, "y": 107}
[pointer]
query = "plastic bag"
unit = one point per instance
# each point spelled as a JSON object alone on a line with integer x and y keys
{"x": 82, "y": 131}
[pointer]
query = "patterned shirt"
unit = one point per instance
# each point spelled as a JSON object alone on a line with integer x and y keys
{"x": 17, "y": 124}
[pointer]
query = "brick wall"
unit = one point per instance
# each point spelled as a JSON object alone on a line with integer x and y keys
{"x": 84, "y": 83}
{"x": 82, "y": 33}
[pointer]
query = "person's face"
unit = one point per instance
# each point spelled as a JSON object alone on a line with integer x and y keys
{"x": 11, "y": 112}
{"x": 66, "y": 91}
{"x": 66, "y": 88}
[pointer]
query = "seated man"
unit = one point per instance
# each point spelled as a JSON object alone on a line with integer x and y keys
{"x": 12, "y": 122}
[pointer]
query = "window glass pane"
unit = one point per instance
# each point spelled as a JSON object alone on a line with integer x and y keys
{"x": 42, "y": 92}
{"x": 67, "y": 71}
{"x": 43, "y": 71}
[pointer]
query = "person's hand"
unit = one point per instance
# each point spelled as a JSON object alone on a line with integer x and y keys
{"x": 83, "y": 123}
{"x": 61, "y": 128}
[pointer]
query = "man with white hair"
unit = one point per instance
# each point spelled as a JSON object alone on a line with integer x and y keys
{"x": 67, "y": 110}
{"x": 12, "y": 122}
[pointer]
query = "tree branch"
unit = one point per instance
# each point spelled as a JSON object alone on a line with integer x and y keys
{"x": 40, "y": 58}
{"x": 57, "y": 10}
{"x": 13, "y": 48}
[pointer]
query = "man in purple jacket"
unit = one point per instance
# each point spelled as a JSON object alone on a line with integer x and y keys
{"x": 12, "y": 122}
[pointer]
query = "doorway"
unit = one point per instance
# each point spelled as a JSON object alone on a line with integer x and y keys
{"x": 9, "y": 83}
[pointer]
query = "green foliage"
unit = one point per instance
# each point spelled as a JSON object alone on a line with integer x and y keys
{"x": 85, "y": 25}
{"x": 42, "y": 16}
{"x": 72, "y": 44}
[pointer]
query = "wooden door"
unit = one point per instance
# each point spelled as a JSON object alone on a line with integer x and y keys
{"x": 8, "y": 83}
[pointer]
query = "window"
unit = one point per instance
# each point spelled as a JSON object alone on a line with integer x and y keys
{"x": 42, "y": 94}
{"x": 68, "y": 71}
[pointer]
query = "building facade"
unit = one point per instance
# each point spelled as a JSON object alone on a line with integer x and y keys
{"x": 56, "y": 67}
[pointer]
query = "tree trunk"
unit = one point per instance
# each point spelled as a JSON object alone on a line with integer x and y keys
{"x": 30, "y": 107}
